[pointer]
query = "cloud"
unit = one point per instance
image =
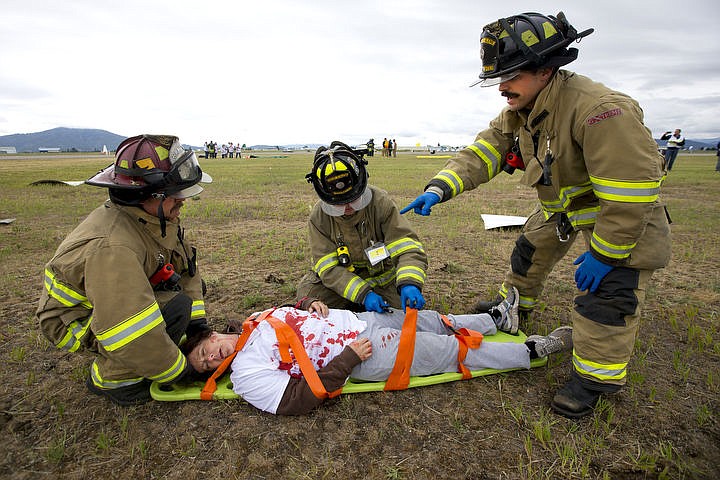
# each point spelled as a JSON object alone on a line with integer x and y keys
{"x": 309, "y": 72}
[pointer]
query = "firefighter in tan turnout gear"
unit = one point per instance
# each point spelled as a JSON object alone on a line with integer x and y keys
{"x": 365, "y": 254}
{"x": 125, "y": 283}
{"x": 597, "y": 171}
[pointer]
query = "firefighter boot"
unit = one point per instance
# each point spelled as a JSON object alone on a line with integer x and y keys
{"x": 505, "y": 313}
{"x": 135, "y": 394}
{"x": 574, "y": 400}
{"x": 484, "y": 306}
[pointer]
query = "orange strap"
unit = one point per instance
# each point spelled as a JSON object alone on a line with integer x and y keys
{"x": 248, "y": 326}
{"x": 399, "y": 378}
{"x": 466, "y": 339}
{"x": 288, "y": 339}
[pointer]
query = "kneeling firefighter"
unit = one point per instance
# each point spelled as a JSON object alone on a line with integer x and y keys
{"x": 366, "y": 256}
{"x": 124, "y": 284}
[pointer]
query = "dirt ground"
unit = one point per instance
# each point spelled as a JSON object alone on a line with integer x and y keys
{"x": 664, "y": 424}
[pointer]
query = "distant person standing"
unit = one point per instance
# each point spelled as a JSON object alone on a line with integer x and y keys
{"x": 717, "y": 165}
{"x": 394, "y": 148}
{"x": 385, "y": 147}
{"x": 371, "y": 147}
{"x": 675, "y": 140}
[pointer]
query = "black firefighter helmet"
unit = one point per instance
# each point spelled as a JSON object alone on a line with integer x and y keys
{"x": 525, "y": 42}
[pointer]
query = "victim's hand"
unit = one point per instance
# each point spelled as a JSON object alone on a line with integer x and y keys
{"x": 362, "y": 347}
{"x": 319, "y": 307}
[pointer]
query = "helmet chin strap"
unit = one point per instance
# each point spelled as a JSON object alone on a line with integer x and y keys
{"x": 161, "y": 211}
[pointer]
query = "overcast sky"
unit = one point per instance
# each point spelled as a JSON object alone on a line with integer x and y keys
{"x": 294, "y": 71}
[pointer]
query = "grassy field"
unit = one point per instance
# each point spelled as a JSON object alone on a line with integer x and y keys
{"x": 250, "y": 229}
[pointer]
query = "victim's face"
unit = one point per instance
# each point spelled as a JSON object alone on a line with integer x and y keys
{"x": 210, "y": 352}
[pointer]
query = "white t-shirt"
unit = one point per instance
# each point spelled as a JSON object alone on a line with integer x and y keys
{"x": 257, "y": 373}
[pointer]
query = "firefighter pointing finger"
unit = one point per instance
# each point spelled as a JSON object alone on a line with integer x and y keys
{"x": 597, "y": 172}
{"x": 125, "y": 283}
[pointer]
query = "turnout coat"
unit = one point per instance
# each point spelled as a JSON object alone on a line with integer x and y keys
{"x": 98, "y": 295}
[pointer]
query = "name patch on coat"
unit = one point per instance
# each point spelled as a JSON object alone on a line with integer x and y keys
{"x": 602, "y": 116}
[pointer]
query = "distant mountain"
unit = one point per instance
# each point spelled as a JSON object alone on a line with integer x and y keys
{"x": 66, "y": 139}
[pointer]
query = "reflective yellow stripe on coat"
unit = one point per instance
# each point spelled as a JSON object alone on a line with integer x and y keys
{"x": 130, "y": 329}
{"x": 63, "y": 293}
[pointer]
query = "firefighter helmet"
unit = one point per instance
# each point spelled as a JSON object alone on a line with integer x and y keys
{"x": 151, "y": 164}
{"x": 525, "y": 42}
{"x": 338, "y": 174}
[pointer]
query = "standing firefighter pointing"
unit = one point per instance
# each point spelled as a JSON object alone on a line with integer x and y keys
{"x": 597, "y": 172}
{"x": 125, "y": 284}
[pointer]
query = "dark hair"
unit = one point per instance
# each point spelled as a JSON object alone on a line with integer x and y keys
{"x": 194, "y": 340}
{"x": 191, "y": 344}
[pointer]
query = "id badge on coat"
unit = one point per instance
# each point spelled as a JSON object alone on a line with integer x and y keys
{"x": 376, "y": 253}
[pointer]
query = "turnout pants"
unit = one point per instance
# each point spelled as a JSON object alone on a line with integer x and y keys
{"x": 108, "y": 373}
{"x": 536, "y": 252}
{"x": 605, "y": 323}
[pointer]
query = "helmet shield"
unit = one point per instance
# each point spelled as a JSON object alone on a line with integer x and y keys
{"x": 148, "y": 164}
{"x": 338, "y": 174}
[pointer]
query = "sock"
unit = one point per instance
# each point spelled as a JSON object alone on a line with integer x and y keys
{"x": 531, "y": 346}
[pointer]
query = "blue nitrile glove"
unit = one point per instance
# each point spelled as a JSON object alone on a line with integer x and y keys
{"x": 411, "y": 296}
{"x": 422, "y": 204}
{"x": 590, "y": 272}
{"x": 375, "y": 303}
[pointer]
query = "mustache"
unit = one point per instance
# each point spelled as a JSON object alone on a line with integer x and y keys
{"x": 510, "y": 94}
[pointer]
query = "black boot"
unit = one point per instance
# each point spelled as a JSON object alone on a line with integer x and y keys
{"x": 574, "y": 400}
{"x": 484, "y": 306}
{"x": 135, "y": 394}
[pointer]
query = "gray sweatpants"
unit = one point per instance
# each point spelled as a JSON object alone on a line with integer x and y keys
{"x": 436, "y": 349}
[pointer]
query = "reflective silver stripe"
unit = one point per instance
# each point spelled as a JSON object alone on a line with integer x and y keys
{"x": 567, "y": 194}
{"x": 383, "y": 279}
{"x": 130, "y": 329}
{"x": 110, "y": 384}
{"x": 600, "y": 371}
{"x": 325, "y": 263}
{"x": 413, "y": 273}
{"x": 584, "y": 217}
{"x": 635, "y": 192}
{"x": 173, "y": 372}
{"x": 487, "y": 154}
{"x": 452, "y": 180}
{"x": 352, "y": 289}
{"x": 75, "y": 332}
{"x": 198, "y": 309}
{"x": 403, "y": 245}
{"x": 63, "y": 293}
{"x": 610, "y": 250}
{"x": 552, "y": 206}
